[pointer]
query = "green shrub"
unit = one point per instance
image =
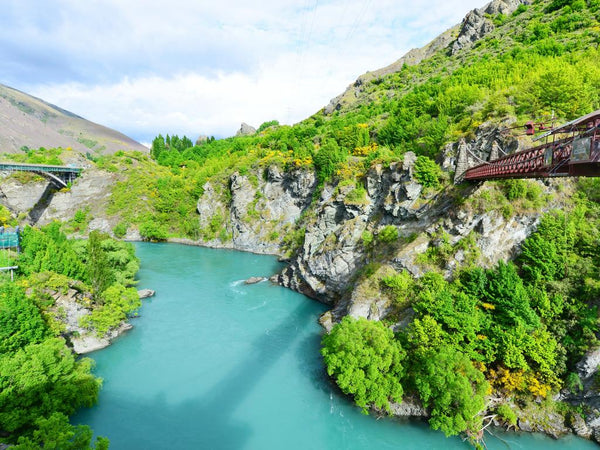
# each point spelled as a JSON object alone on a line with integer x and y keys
{"x": 507, "y": 414}
{"x": 367, "y": 238}
{"x": 357, "y": 196}
{"x": 573, "y": 382}
{"x": 120, "y": 229}
{"x": 400, "y": 286}
{"x": 514, "y": 189}
{"x": 153, "y": 231}
{"x": 388, "y": 234}
{"x": 327, "y": 158}
{"x": 427, "y": 172}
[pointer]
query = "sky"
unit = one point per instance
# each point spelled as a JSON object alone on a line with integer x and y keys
{"x": 197, "y": 67}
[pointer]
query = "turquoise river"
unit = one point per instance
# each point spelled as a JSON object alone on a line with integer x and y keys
{"x": 215, "y": 364}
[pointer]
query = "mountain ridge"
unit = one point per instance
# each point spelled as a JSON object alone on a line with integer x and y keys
{"x": 29, "y": 122}
{"x": 475, "y": 25}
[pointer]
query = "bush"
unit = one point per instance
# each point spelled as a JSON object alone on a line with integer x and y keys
{"x": 327, "y": 159}
{"x": 388, "y": 234}
{"x": 400, "y": 285}
{"x": 427, "y": 172}
{"x": 452, "y": 389}
{"x": 367, "y": 238}
{"x": 153, "y": 231}
{"x": 507, "y": 414}
{"x": 120, "y": 229}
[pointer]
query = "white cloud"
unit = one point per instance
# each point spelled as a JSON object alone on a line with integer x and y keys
{"x": 145, "y": 67}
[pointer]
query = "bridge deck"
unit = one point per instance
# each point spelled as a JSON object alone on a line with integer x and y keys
{"x": 39, "y": 168}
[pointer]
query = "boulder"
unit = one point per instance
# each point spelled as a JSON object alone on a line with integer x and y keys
{"x": 145, "y": 293}
{"x": 254, "y": 280}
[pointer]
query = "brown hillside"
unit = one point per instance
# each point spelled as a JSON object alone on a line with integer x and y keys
{"x": 26, "y": 121}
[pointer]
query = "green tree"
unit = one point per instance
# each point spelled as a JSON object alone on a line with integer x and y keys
{"x": 366, "y": 361}
{"x": 41, "y": 379}
{"x": 20, "y": 320}
{"x": 327, "y": 159}
{"x": 56, "y": 433}
{"x": 451, "y": 388}
{"x": 427, "y": 172}
{"x": 99, "y": 273}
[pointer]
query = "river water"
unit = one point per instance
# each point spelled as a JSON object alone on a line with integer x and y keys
{"x": 213, "y": 363}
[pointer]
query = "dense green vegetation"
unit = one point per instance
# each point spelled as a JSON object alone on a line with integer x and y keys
{"x": 517, "y": 328}
{"x": 41, "y": 381}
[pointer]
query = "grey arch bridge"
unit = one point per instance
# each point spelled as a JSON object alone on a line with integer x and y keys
{"x": 60, "y": 176}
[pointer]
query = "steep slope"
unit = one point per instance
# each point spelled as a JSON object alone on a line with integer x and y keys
{"x": 26, "y": 121}
{"x": 475, "y": 26}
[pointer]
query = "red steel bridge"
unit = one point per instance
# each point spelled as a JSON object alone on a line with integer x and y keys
{"x": 572, "y": 149}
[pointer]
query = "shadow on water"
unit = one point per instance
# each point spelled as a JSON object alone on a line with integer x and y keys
{"x": 308, "y": 355}
{"x": 208, "y": 421}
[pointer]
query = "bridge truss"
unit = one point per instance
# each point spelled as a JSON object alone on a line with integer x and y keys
{"x": 60, "y": 176}
{"x": 572, "y": 149}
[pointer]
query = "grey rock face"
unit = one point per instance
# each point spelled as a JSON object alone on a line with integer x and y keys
{"x": 580, "y": 428}
{"x": 92, "y": 190}
{"x": 19, "y": 197}
{"x": 476, "y": 25}
{"x": 504, "y": 6}
{"x": 410, "y": 407}
{"x": 261, "y": 207}
{"x": 589, "y": 397}
{"x": 333, "y": 249}
{"x": 246, "y": 130}
{"x": 201, "y": 139}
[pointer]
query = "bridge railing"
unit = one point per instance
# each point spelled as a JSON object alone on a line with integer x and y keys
{"x": 541, "y": 161}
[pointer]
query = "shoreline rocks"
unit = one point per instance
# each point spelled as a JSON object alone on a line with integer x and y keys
{"x": 90, "y": 343}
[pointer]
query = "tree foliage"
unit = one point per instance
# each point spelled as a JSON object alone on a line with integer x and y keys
{"x": 366, "y": 361}
{"x": 40, "y": 379}
{"x": 451, "y": 388}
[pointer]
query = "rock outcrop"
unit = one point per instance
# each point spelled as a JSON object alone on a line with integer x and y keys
{"x": 587, "y": 396}
{"x": 335, "y": 249}
{"x": 476, "y": 24}
{"x": 146, "y": 293}
{"x": 246, "y": 130}
{"x": 72, "y": 305}
{"x": 38, "y": 202}
{"x": 253, "y": 212}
